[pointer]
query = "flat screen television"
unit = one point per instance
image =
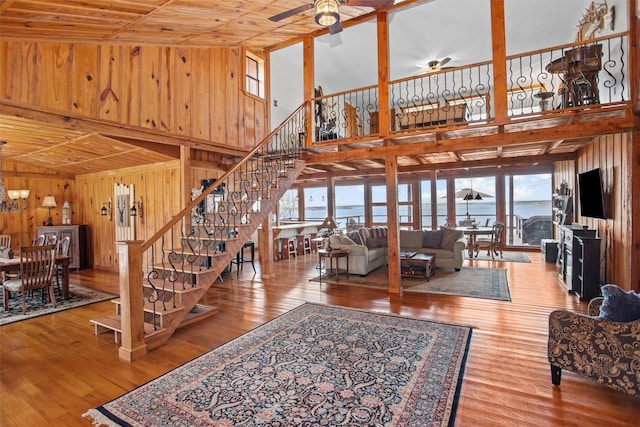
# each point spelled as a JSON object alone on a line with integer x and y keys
{"x": 591, "y": 194}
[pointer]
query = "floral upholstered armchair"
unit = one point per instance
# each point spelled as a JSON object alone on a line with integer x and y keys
{"x": 596, "y": 347}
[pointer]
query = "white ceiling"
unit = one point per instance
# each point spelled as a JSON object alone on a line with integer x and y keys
{"x": 459, "y": 29}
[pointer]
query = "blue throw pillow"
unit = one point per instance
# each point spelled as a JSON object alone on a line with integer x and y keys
{"x": 618, "y": 305}
{"x": 431, "y": 239}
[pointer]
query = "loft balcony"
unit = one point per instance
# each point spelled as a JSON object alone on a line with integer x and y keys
{"x": 568, "y": 92}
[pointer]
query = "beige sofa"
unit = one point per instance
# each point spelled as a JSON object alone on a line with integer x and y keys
{"x": 448, "y": 245}
{"x": 368, "y": 247}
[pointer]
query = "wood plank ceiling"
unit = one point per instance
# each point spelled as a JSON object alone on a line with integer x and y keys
{"x": 214, "y": 23}
{"x": 194, "y": 23}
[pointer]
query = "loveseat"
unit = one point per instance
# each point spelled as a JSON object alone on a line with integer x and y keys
{"x": 447, "y": 244}
{"x": 368, "y": 247}
{"x": 603, "y": 344}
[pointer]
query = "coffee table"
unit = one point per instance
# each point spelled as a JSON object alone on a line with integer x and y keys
{"x": 418, "y": 265}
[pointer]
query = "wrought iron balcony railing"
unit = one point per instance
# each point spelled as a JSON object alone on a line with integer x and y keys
{"x": 564, "y": 78}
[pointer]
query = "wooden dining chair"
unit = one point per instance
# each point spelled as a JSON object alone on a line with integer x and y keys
{"x": 37, "y": 264}
{"x": 63, "y": 250}
{"x": 5, "y": 240}
{"x": 492, "y": 243}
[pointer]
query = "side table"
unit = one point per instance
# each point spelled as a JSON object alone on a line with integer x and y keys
{"x": 324, "y": 254}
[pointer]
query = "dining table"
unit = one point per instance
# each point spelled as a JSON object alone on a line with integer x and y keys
{"x": 472, "y": 233}
{"x": 13, "y": 264}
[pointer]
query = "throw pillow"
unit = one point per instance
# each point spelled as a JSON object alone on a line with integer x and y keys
{"x": 356, "y": 237}
{"x": 449, "y": 237}
{"x": 431, "y": 239}
{"x": 378, "y": 237}
{"x": 618, "y": 305}
{"x": 364, "y": 234}
{"x": 344, "y": 240}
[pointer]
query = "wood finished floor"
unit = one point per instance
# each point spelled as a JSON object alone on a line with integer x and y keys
{"x": 53, "y": 368}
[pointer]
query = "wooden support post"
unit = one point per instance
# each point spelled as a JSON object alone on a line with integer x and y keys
{"x": 393, "y": 236}
{"x": 265, "y": 247}
{"x": 499, "y": 61}
{"x": 131, "y": 298}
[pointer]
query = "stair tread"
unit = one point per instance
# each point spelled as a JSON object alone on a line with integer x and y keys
{"x": 113, "y": 322}
{"x": 148, "y": 307}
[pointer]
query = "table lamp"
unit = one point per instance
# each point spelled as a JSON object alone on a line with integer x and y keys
{"x": 49, "y": 202}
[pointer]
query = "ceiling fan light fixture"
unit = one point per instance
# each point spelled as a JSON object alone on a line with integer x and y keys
{"x": 327, "y": 12}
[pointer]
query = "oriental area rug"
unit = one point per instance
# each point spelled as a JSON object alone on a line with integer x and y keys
{"x": 476, "y": 282}
{"x": 315, "y": 365}
{"x": 37, "y": 306}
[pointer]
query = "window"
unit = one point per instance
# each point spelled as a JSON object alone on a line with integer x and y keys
{"x": 528, "y": 209}
{"x": 289, "y": 206}
{"x": 379, "y": 205}
{"x": 349, "y": 204}
{"x": 315, "y": 204}
{"x": 255, "y": 75}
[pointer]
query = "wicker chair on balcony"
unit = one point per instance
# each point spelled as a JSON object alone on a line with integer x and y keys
{"x": 595, "y": 347}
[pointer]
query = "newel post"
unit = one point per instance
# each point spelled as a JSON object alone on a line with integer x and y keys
{"x": 131, "y": 300}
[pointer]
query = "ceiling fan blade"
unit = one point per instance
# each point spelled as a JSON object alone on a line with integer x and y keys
{"x": 376, "y": 4}
{"x": 444, "y": 61}
{"x": 335, "y": 28}
{"x": 288, "y": 13}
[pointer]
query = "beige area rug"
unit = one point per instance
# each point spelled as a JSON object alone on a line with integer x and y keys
{"x": 506, "y": 257}
{"x": 487, "y": 283}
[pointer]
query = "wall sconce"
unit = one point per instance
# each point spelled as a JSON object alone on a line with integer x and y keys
{"x": 106, "y": 209}
{"x": 49, "y": 202}
{"x": 18, "y": 200}
{"x": 137, "y": 211}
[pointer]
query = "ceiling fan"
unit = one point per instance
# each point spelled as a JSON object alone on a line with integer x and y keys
{"x": 435, "y": 65}
{"x": 327, "y": 13}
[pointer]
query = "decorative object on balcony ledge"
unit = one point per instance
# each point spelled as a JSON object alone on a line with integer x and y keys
{"x": 49, "y": 202}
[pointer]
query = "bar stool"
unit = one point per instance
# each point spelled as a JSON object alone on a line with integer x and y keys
{"x": 291, "y": 244}
{"x": 306, "y": 244}
{"x": 239, "y": 261}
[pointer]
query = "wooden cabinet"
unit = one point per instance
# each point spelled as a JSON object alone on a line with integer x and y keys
{"x": 567, "y": 259}
{"x": 586, "y": 267}
{"x": 78, "y": 249}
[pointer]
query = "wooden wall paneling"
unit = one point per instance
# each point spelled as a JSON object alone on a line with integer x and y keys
{"x": 247, "y": 134}
{"x": 167, "y": 90}
{"x": 130, "y": 86}
{"x": 232, "y": 82}
{"x": 219, "y": 110}
{"x": 110, "y": 89}
{"x": 150, "y": 87}
{"x": 14, "y": 79}
{"x": 85, "y": 80}
{"x": 610, "y": 154}
{"x": 32, "y": 74}
{"x": 201, "y": 95}
{"x": 260, "y": 128}
{"x": 3, "y": 69}
{"x": 183, "y": 91}
{"x": 56, "y": 74}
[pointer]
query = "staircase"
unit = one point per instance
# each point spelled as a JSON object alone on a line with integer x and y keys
{"x": 163, "y": 279}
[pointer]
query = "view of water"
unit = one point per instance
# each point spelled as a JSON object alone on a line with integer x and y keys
{"x": 481, "y": 211}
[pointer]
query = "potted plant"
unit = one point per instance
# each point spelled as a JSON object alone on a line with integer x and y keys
{"x": 6, "y": 252}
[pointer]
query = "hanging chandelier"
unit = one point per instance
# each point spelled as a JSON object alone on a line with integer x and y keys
{"x": 17, "y": 198}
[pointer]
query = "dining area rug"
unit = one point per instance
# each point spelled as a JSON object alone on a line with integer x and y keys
{"x": 507, "y": 256}
{"x": 37, "y": 306}
{"x": 475, "y": 282}
{"x": 314, "y": 365}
